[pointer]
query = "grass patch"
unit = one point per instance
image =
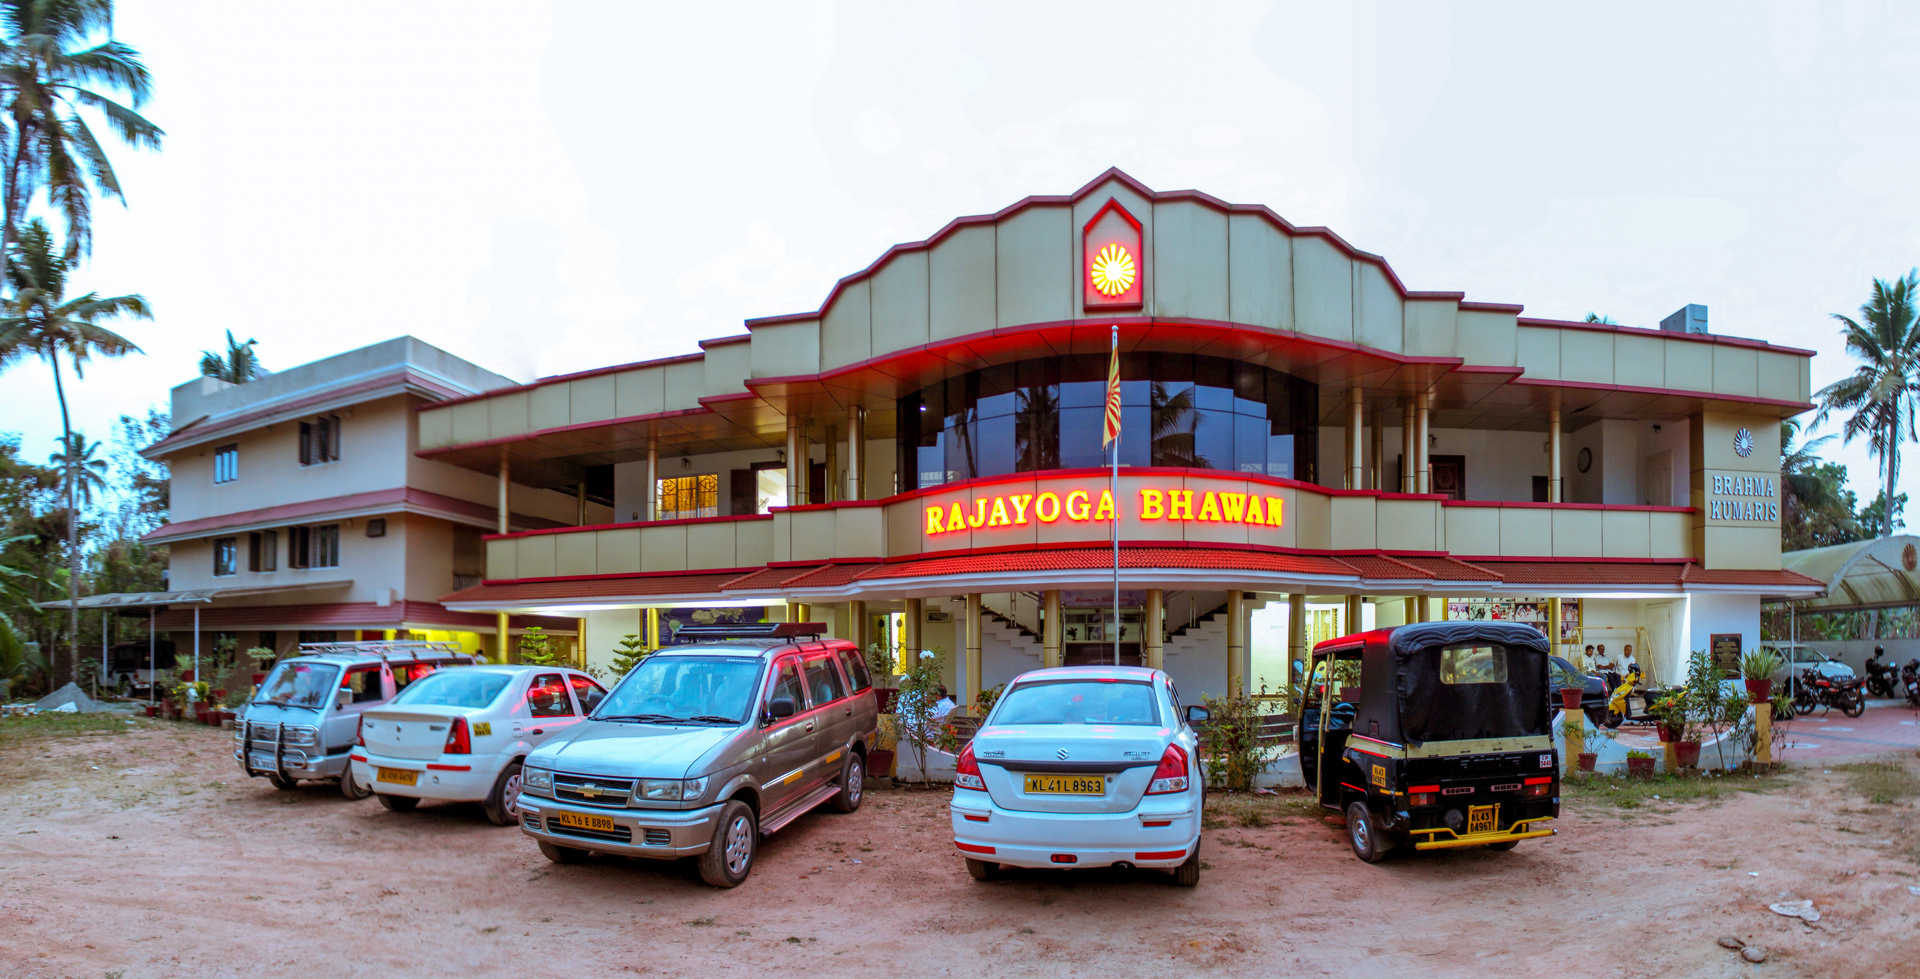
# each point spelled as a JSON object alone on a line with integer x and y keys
{"x": 1614, "y": 792}
{"x": 1884, "y": 783}
{"x": 16, "y": 731}
{"x": 1226, "y": 809}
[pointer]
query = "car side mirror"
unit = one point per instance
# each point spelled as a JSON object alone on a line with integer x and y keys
{"x": 780, "y": 707}
{"x": 1197, "y": 714}
{"x": 341, "y": 698}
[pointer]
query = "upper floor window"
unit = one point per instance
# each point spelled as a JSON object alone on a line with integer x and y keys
{"x": 314, "y": 547}
{"x": 320, "y": 440}
{"x": 226, "y": 464}
{"x": 226, "y": 551}
{"x": 263, "y": 550}
{"x": 682, "y": 497}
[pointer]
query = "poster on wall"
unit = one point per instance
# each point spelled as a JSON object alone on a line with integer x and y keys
{"x": 672, "y": 620}
{"x": 1532, "y": 611}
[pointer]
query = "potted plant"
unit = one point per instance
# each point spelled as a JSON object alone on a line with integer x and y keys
{"x": 1670, "y": 715}
{"x": 882, "y": 669}
{"x": 1572, "y": 686}
{"x": 262, "y": 658}
{"x": 1572, "y": 725}
{"x": 886, "y": 740}
{"x": 1758, "y": 667}
{"x": 1639, "y": 764}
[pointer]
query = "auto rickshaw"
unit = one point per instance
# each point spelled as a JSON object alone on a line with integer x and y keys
{"x": 1432, "y": 735}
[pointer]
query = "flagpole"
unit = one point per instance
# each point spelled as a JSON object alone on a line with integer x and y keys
{"x": 1113, "y": 493}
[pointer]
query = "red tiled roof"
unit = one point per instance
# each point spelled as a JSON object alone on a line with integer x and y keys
{"x": 1697, "y": 575}
{"x": 1585, "y": 572}
{"x": 1094, "y": 558}
{"x": 768, "y": 578}
{"x": 831, "y": 576}
{"x": 1448, "y": 569}
{"x": 639, "y": 585}
{"x": 1383, "y": 568}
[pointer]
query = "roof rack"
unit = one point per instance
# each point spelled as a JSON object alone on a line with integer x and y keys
{"x": 753, "y": 630}
{"x": 384, "y": 648}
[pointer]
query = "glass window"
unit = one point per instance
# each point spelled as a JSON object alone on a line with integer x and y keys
{"x": 324, "y": 550}
{"x": 1280, "y": 456}
{"x": 587, "y": 692}
{"x": 996, "y": 394}
{"x": 667, "y": 687}
{"x": 453, "y": 688}
{"x": 1036, "y": 427}
{"x": 1213, "y": 383}
{"x": 1249, "y": 444}
{"x": 298, "y": 540}
{"x": 823, "y": 680}
{"x": 547, "y": 697}
{"x": 226, "y": 555}
{"x": 1249, "y": 389}
{"x": 769, "y": 489}
{"x": 1080, "y": 438}
{"x": 1078, "y": 702}
{"x": 786, "y": 683}
{"x": 299, "y": 684}
{"x": 1083, "y": 382}
{"x": 1473, "y": 664}
{"x": 364, "y": 682}
{"x": 1213, "y": 440}
{"x": 995, "y": 451}
{"x": 226, "y": 464}
{"x": 688, "y": 497}
{"x": 404, "y": 676}
{"x": 856, "y": 667}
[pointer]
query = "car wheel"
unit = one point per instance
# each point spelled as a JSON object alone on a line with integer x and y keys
{"x": 503, "y": 803}
{"x": 281, "y": 782}
{"x": 1363, "y": 831}
{"x": 1188, "y": 873}
{"x": 397, "y": 803}
{"x": 982, "y": 869}
{"x": 351, "y": 787}
{"x": 1503, "y": 846}
{"x": 729, "y": 859}
{"x": 562, "y": 854}
{"x": 853, "y": 784}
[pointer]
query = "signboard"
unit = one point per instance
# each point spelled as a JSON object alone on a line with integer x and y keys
{"x": 1743, "y": 498}
{"x": 1113, "y": 263}
{"x": 1724, "y": 647}
{"x": 1147, "y": 505}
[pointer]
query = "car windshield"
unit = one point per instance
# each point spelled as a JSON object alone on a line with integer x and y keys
{"x": 453, "y": 688}
{"x": 1078, "y": 702}
{"x": 298, "y": 684}
{"x": 666, "y": 688}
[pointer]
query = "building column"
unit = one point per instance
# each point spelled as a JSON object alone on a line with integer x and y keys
{"x": 1356, "y": 439}
{"x": 653, "y": 628}
{"x": 797, "y": 611}
{"x": 1553, "y": 626}
{"x": 856, "y": 449}
{"x": 1553, "y": 455}
{"x": 970, "y": 683}
{"x": 504, "y": 496}
{"x": 1413, "y": 610}
{"x": 831, "y": 485}
{"x": 580, "y": 504}
{"x": 1050, "y": 629}
{"x": 651, "y": 511}
{"x": 916, "y": 612}
{"x": 1236, "y": 643}
{"x": 1296, "y": 639}
{"x": 1155, "y": 628}
{"x": 857, "y": 625}
{"x": 580, "y": 644}
{"x": 1423, "y": 471}
{"x": 797, "y": 463}
{"x": 1409, "y": 461}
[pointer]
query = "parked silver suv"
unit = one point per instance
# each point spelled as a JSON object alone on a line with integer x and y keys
{"x": 703, "y": 749}
{"x": 302, "y": 722}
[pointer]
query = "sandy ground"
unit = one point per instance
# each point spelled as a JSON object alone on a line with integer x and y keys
{"x": 149, "y": 854}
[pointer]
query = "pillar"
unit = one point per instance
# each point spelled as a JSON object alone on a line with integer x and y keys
{"x": 580, "y": 644}
{"x": 1296, "y": 639}
{"x": 500, "y": 632}
{"x": 856, "y": 449}
{"x": 1409, "y": 483}
{"x": 1423, "y": 475}
{"x": 1236, "y": 643}
{"x": 857, "y": 625}
{"x": 1353, "y": 623}
{"x": 1553, "y": 455}
{"x": 831, "y": 484}
{"x": 970, "y": 683}
{"x": 580, "y": 504}
{"x": 915, "y": 614}
{"x": 1155, "y": 629}
{"x": 1050, "y": 629}
{"x": 1412, "y": 611}
{"x": 1763, "y": 732}
{"x": 1356, "y": 433}
{"x": 503, "y": 501}
{"x": 796, "y": 464}
{"x": 1376, "y": 480}
{"x": 653, "y": 628}
{"x": 797, "y": 611}
{"x": 1553, "y": 626}
{"x": 651, "y": 509}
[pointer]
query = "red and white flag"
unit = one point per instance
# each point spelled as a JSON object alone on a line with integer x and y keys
{"x": 1112, "y": 431}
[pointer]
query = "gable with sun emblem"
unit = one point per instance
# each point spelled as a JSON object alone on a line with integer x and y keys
{"x": 1113, "y": 265}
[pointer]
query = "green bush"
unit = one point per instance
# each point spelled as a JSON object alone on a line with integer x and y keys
{"x": 628, "y": 655}
{"x": 536, "y": 647}
{"x": 1230, "y": 745}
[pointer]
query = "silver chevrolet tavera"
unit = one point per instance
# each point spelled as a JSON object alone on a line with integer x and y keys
{"x": 703, "y": 749}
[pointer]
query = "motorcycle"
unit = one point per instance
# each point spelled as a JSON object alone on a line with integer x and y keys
{"x": 1815, "y": 690}
{"x": 1910, "y": 681}
{"x": 1882, "y": 678}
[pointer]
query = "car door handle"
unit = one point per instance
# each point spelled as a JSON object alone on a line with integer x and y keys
{"x": 809, "y": 726}
{"x": 539, "y": 731}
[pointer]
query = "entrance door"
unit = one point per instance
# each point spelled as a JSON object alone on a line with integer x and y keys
{"x": 1449, "y": 477}
{"x": 1656, "y": 480}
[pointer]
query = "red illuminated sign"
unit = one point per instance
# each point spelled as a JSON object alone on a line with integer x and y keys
{"x": 1084, "y": 506}
{"x": 1113, "y": 263}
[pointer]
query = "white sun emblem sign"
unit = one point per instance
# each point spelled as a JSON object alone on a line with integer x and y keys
{"x": 1112, "y": 271}
{"x": 1743, "y": 443}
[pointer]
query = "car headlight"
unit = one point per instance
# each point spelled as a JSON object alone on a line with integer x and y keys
{"x": 693, "y": 788}
{"x": 536, "y": 778}
{"x": 668, "y": 789}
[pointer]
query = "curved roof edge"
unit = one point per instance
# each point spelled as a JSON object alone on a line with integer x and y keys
{"x": 1879, "y": 573}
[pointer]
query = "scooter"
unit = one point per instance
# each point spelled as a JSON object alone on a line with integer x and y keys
{"x": 1628, "y": 702}
{"x": 1910, "y": 681}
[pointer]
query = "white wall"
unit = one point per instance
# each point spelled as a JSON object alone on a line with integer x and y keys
{"x": 1711, "y": 613}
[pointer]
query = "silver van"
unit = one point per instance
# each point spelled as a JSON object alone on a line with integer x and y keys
{"x": 703, "y": 749}
{"x": 302, "y": 722}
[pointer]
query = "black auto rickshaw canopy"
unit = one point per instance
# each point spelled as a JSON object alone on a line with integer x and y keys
{"x": 1453, "y": 681}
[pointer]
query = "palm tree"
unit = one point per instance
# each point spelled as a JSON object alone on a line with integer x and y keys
{"x": 35, "y": 322}
{"x": 1597, "y": 318}
{"x": 239, "y": 366}
{"x": 1880, "y": 391}
{"x": 56, "y": 58}
{"x": 78, "y": 461}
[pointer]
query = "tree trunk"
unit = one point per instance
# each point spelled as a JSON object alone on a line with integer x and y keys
{"x": 61, "y": 676}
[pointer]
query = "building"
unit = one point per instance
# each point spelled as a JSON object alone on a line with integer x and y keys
{"x": 1309, "y": 448}
{"x": 301, "y": 511}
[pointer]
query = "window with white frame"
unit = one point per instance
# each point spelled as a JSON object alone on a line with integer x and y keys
{"x": 226, "y": 553}
{"x": 226, "y": 464}
{"x": 320, "y": 440}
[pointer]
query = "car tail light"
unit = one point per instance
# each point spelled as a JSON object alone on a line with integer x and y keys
{"x": 1422, "y": 795}
{"x": 360, "y": 732}
{"x": 457, "y": 741}
{"x": 1171, "y": 776}
{"x": 966, "y": 771}
{"x": 1538, "y": 788}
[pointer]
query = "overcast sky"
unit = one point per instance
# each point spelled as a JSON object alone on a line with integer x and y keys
{"x": 546, "y": 191}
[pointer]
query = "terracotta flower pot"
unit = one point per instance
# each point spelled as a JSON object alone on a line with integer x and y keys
{"x": 1759, "y": 691}
{"x": 1667, "y": 733}
{"x": 880, "y": 762}
{"x": 1687, "y": 753}
{"x": 1570, "y": 698}
{"x": 1587, "y": 760}
{"x": 1640, "y": 767}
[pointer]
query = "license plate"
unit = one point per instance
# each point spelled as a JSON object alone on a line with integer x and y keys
{"x": 397, "y": 776}
{"x": 261, "y": 761}
{"x": 583, "y": 820}
{"x": 1066, "y": 785}
{"x": 1482, "y": 819}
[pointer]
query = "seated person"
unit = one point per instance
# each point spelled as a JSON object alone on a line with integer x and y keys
{"x": 943, "y": 706}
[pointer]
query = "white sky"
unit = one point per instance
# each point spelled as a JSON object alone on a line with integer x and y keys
{"x": 544, "y": 191}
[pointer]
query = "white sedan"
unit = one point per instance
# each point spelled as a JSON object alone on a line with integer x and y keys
{"x": 1082, "y": 766}
{"x": 461, "y": 735}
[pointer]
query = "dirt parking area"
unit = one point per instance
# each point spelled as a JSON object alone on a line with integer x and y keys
{"x": 145, "y": 852}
